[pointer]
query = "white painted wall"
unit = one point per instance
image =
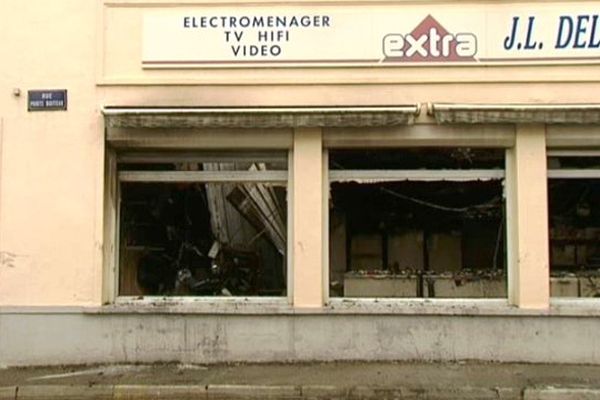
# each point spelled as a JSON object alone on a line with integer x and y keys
{"x": 51, "y": 163}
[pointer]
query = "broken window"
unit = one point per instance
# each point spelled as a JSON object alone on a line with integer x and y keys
{"x": 417, "y": 223}
{"x": 202, "y": 224}
{"x": 574, "y": 222}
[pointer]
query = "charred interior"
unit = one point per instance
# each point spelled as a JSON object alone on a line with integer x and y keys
{"x": 574, "y": 210}
{"x": 192, "y": 229}
{"x": 414, "y": 222}
{"x": 408, "y": 234}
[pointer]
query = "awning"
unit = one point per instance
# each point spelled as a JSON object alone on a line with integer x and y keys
{"x": 450, "y": 113}
{"x": 260, "y": 117}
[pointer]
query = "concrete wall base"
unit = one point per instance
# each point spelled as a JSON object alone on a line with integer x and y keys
{"x": 79, "y": 338}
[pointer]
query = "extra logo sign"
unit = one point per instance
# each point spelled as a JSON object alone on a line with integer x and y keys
{"x": 387, "y": 35}
{"x": 429, "y": 42}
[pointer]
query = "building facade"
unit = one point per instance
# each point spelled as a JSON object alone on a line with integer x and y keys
{"x": 259, "y": 181}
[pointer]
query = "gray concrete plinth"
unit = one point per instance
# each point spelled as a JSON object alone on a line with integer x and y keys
{"x": 74, "y": 338}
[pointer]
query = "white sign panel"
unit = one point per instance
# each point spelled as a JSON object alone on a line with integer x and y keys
{"x": 371, "y": 36}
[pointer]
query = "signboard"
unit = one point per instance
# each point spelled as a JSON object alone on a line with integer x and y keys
{"x": 372, "y": 36}
{"x": 46, "y": 100}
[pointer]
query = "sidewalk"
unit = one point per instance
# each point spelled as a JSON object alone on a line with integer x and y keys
{"x": 305, "y": 381}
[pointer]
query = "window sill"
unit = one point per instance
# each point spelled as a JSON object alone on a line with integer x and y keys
{"x": 346, "y": 306}
{"x": 462, "y": 307}
{"x": 197, "y": 305}
{"x": 338, "y": 306}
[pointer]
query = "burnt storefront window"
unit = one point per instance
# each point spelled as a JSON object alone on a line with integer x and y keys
{"x": 423, "y": 222}
{"x": 574, "y": 223}
{"x": 203, "y": 225}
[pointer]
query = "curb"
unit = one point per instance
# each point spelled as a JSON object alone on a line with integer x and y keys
{"x": 51, "y": 392}
{"x": 328, "y": 392}
{"x": 305, "y": 392}
{"x": 226, "y": 392}
{"x": 434, "y": 393}
{"x": 553, "y": 393}
{"x": 159, "y": 392}
{"x": 8, "y": 393}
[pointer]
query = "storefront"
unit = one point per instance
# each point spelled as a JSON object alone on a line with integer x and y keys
{"x": 322, "y": 181}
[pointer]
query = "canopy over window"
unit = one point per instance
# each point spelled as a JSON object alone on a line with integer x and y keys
{"x": 261, "y": 117}
{"x": 447, "y": 113}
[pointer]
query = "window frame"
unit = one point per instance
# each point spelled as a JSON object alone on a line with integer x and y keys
{"x": 114, "y": 178}
{"x": 500, "y": 136}
{"x": 410, "y": 175}
{"x": 418, "y": 135}
{"x": 569, "y": 174}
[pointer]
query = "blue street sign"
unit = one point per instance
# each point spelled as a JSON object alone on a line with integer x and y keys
{"x": 46, "y": 100}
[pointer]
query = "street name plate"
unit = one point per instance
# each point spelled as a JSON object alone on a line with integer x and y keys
{"x": 46, "y": 100}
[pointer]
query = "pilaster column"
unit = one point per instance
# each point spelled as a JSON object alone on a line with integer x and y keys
{"x": 527, "y": 219}
{"x": 307, "y": 205}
